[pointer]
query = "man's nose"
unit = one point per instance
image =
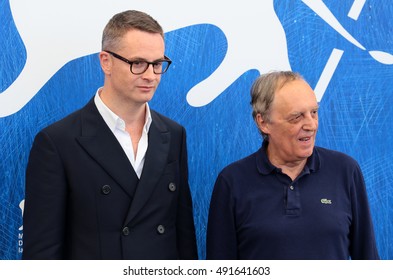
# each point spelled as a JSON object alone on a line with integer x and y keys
{"x": 149, "y": 73}
{"x": 310, "y": 122}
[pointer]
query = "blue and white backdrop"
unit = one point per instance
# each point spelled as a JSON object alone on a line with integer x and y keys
{"x": 49, "y": 68}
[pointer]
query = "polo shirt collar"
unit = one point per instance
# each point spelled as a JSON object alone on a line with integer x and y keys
{"x": 265, "y": 167}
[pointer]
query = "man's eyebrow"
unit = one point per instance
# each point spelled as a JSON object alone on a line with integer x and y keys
{"x": 295, "y": 113}
{"x": 138, "y": 58}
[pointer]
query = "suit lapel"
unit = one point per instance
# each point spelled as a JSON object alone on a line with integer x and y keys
{"x": 155, "y": 163}
{"x": 100, "y": 143}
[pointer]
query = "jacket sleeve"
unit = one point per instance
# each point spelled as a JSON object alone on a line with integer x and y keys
{"x": 45, "y": 202}
{"x": 186, "y": 240}
{"x": 363, "y": 245}
{"x": 221, "y": 241}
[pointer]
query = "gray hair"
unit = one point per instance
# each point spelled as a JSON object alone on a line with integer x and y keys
{"x": 122, "y": 22}
{"x": 264, "y": 89}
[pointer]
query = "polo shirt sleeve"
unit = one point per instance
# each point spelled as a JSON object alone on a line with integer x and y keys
{"x": 221, "y": 241}
{"x": 363, "y": 244}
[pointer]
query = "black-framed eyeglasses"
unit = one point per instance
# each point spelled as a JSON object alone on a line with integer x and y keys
{"x": 138, "y": 67}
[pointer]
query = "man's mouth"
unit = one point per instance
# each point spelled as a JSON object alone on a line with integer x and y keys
{"x": 305, "y": 139}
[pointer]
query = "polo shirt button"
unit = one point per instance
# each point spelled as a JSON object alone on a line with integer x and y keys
{"x": 291, "y": 187}
{"x": 172, "y": 187}
{"x": 106, "y": 189}
{"x": 161, "y": 229}
{"x": 126, "y": 231}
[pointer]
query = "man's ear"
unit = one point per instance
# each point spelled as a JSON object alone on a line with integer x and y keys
{"x": 262, "y": 124}
{"x": 106, "y": 62}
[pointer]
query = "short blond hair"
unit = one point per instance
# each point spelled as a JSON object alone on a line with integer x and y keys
{"x": 125, "y": 21}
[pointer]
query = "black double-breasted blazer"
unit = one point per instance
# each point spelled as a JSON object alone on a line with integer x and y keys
{"x": 84, "y": 200}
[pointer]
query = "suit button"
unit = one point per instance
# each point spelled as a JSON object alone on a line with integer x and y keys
{"x": 106, "y": 189}
{"x": 126, "y": 231}
{"x": 161, "y": 229}
{"x": 172, "y": 187}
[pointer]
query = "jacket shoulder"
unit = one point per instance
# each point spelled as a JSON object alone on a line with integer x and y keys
{"x": 70, "y": 123}
{"x": 163, "y": 121}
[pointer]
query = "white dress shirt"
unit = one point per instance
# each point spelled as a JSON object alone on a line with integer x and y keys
{"x": 118, "y": 127}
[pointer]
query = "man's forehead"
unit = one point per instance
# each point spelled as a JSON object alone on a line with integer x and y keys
{"x": 295, "y": 96}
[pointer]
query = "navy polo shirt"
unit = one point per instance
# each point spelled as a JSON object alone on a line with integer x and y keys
{"x": 257, "y": 212}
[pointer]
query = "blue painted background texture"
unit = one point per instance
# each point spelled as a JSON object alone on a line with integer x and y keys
{"x": 355, "y": 115}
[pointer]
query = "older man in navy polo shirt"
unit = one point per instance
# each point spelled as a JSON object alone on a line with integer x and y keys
{"x": 290, "y": 199}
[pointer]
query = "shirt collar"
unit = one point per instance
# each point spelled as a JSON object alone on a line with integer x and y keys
{"x": 265, "y": 167}
{"x": 114, "y": 121}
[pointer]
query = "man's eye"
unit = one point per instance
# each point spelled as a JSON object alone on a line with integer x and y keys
{"x": 297, "y": 118}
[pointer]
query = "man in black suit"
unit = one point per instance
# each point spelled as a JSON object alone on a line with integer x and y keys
{"x": 110, "y": 181}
